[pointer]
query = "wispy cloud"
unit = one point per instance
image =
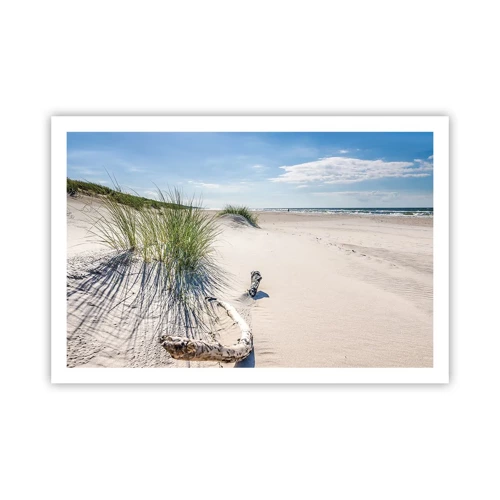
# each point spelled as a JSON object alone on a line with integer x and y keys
{"x": 258, "y": 167}
{"x": 378, "y": 196}
{"x": 205, "y": 185}
{"x": 427, "y": 165}
{"x": 343, "y": 151}
{"x": 342, "y": 170}
{"x": 220, "y": 188}
{"x": 135, "y": 169}
{"x": 149, "y": 194}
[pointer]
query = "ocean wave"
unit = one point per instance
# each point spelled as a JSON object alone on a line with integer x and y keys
{"x": 399, "y": 212}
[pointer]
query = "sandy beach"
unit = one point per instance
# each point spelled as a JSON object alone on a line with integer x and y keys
{"x": 337, "y": 291}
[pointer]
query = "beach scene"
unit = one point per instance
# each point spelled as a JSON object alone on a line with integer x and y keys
{"x": 249, "y": 250}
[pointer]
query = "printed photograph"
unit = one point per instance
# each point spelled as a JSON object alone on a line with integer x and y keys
{"x": 249, "y": 249}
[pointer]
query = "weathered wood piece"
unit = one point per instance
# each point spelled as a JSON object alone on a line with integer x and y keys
{"x": 198, "y": 350}
{"x": 255, "y": 276}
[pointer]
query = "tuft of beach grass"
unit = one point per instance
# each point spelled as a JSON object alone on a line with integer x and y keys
{"x": 245, "y": 212}
{"x": 175, "y": 240}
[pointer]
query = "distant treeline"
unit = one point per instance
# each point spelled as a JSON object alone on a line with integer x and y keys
{"x": 92, "y": 189}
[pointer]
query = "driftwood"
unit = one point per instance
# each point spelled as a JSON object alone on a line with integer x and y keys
{"x": 255, "y": 276}
{"x": 198, "y": 350}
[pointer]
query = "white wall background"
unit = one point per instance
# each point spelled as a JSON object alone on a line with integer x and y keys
{"x": 358, "y": 57}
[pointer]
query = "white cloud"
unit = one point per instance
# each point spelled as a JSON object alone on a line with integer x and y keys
{"x": 205, "y": 185}
{"x": 220, "y": 188}
{"x": 343, "y": 151}
{"x": 362, "y": 195}
{"x": 342, "y": 170}
{"x": 149, "y": 194}
{"x": 258, "y": 167}
{"x": 423, "y": 163}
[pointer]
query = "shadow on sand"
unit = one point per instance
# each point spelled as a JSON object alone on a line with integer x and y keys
{"x": 248, "y": 362}
{"x": 117, "y": 299}
{"x": 121, "y": 278}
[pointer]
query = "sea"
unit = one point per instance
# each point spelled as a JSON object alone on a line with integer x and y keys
{"x": 390, "y": 212}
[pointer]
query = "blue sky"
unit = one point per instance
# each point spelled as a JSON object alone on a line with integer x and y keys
{"x": 264, "y": 169}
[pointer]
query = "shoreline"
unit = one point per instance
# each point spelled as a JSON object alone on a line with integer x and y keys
{"x": 407, "y": 213}
{"x": 427, "y": 221}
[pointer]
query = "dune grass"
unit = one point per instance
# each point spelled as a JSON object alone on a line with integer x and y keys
{"x": 176, "y": 239}
{"x": 74, "y": 188}
{"x": 251, "y": 217}
{"x": 181, "y": 237}
{"x": 118, "y": 228}
{"x": 171, "y": 239}
{"x": 178, "y": 232}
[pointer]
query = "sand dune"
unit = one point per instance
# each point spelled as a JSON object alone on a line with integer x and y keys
{"x": 337, "y": 291}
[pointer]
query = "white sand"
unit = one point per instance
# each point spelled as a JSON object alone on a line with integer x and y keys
{"x": 337, "y": 291}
